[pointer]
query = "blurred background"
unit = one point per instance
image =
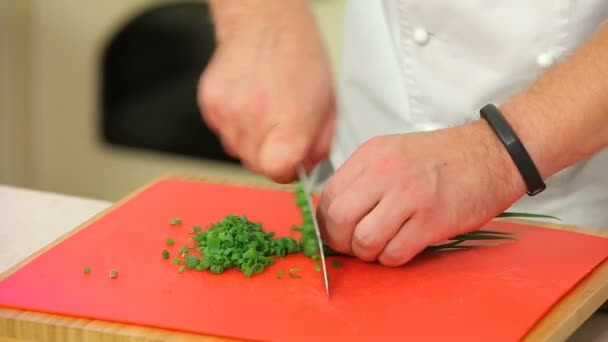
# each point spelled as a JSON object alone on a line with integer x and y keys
{"x": 98, "y": 98}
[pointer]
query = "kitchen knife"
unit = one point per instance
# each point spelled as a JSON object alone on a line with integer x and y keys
{"x": 307, "y": 191}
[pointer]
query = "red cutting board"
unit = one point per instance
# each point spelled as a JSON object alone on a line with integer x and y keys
{"x": 495, "y": 293}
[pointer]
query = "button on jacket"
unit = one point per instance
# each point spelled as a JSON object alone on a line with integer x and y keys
{"x": 430, "y": 64}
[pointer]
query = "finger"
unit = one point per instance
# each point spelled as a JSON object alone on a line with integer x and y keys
{"x": 411, "y": 239}
{"x": 282, "y": 149}
{"x": 347, "y": 174}
{"x": 345, "y": 211}
{"x": 251, "y": 149}
{"x": 229, "y": 150}
{"x": 320, "y": 146}
{"x": 255, "y": 125}
{"x": 252, "y": 145}
{"x": 377, "y": 228}
{"x": 207, "y": 105}
{"x": 212, "y": 121}
{"x": 250, "y": 166}
{"x": 229, "y": 137}
{"x": 344, "y": 175}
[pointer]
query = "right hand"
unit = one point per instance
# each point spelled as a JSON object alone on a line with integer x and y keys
{"x": 268, "y": 94}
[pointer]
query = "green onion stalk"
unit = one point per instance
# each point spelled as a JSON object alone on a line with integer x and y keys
{"x": 309, "y": 245}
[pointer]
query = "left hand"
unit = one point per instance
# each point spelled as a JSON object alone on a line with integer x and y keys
{"x": 398, "y": 194}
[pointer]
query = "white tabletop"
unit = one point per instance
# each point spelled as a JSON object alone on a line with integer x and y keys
{"x": 30, "y": 220}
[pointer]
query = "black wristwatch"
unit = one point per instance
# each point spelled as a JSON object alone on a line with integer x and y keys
{"x": 517, "y": 151}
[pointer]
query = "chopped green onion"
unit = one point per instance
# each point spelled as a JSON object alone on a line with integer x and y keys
{"x": 166, "y": 254}
{"x": 87, "y": 270}
{"x": 170, "y": 241}
{"x": 235, "y": 242}
{"x": 336, "y": 264}
{"x": 175, "y": 221}
{"x": 191, "y": 261}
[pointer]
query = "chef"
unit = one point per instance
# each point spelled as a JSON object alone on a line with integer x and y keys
{"x": 446, "y": 113}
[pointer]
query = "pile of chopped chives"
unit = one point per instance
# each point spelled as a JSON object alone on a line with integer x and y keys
{"x": 237, "y": 242}
{"x": 234, "y": 242}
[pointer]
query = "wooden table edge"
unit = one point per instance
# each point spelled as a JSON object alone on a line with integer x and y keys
{"x": 22, "y": 325}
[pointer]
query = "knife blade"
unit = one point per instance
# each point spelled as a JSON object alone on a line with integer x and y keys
{"x": 307, "y": 191}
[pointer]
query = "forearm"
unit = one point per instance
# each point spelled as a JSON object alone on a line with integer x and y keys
{"x": 563, "y": 117}
{"x": 235, "y": 18}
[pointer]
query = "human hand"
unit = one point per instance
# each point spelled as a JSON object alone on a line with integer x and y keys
{"x": 268, "y": 91}
{"x": 398, "y": 194}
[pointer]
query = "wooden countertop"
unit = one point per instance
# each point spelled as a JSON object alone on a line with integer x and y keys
{"x": 31, "y": 220}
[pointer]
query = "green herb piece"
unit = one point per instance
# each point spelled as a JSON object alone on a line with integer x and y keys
{"x": 170, "y": 241}
{"x": 526, "y": 215}
{"x": 336, "y": 264}
{"x": 181, "y": 269}
{"x": 191, "y": 261}
{"x": 175, "y": 222}
{"x": 317, "y": 267}
{"x": 184, "y": 249}
{"x": 196, "y": 228}
{"x": 308, "y": 237}
{"x": 113, "y": 273}
{"x": 87, "y": 270}
{"x": 166, "y": 254}
{"x": 292, "y": 272}
{"x": 280, "y": 274}
{"x": 177, "y": 261}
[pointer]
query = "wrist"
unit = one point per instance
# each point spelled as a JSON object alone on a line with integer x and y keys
{"x": 244, "y": 18}
{"x": 514, "y": 147}
{"x": 527, "y": 117}
{"x": 497, "y": 160}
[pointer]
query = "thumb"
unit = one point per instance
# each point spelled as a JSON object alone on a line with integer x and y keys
{"x": 282, "y": 149}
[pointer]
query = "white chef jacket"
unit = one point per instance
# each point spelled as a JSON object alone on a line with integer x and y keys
{"x": 429, "y": 64}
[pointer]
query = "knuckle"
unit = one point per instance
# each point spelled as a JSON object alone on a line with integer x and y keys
{"x": 387, "y": 166}
{"x": 214, "y": 100}
{"x": 407, "y": 186}
{"x": 336, "y": 213}
{"x": 206, "y": 94}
